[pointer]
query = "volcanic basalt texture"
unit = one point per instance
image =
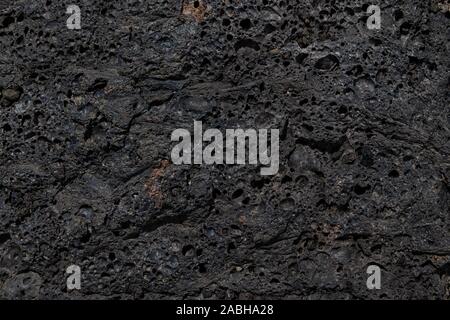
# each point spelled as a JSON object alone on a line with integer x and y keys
{"x": 86, "y": 176}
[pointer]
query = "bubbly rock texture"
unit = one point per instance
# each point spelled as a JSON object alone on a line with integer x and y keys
{"x": 86, "y": 176}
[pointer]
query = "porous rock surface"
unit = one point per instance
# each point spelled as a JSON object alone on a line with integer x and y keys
{"x": 85, "y": 171}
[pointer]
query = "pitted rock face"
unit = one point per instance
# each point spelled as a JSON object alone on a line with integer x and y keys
{"x": 86, "y": 179}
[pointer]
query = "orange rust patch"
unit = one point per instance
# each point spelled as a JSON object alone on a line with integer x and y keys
{"x": 153, "y": 185}
{"x": 242, "y": 219}
{"x": 195, "y": 8}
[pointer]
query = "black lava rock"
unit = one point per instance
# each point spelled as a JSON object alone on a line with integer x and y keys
{"x": 87, "y": 179}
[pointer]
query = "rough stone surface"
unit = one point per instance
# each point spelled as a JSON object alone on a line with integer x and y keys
{"x": 85, "y": 170}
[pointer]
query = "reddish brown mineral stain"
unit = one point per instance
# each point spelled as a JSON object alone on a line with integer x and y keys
{"x": 196, "y": 9}
{"x": 153, "y": 184}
